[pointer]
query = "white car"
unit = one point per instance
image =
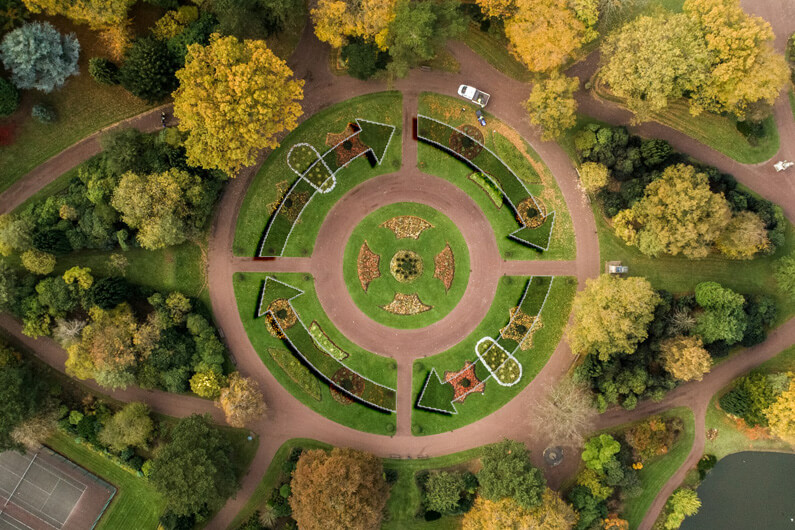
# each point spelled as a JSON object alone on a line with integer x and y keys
{"x": 473, "y": 94}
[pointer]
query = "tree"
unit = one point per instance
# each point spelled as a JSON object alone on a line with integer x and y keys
{"x": 368, "y": 19}
{"x": 654, "y": 59}
{"x": 234, "y": 99}
{"x": 683, "y": 502}
{"x": 685, "y": 358}
{"x": 9, "y": 97}
{"x": 252, "y": 19}
{"x": 611, "y": 316}
{"x": 161, "y": 206}
{"x": 564, "y": 414}
{"x": 544, "y": 34}
{"x": 103, "y": 71}
{"x": 39, "y": 57}
{"x": 148, "y": 70}
{"x": 552, "y": 106}
{"x": 600, "y": 450}
{"x": 130, "y": 427}
{"x": 363, "y": 59}
{"x": 38, "y": 262}
{"x": 743, "y": 237}
{"x": 343, "y": 488}
{"x": 745, "y": 68}
{"x": 507, "y": 472}
{"x": 194, "y": 471}
{"x": 241, "y": 401}
{"x": 723, "y": 317}
{"x": 781, "y": 415}
{"x": 553, "y": 513}
{"x": 443, "y": 491}
{"x": 594, "y": 176}
{"x": 750, "y": 398}
{"x": 80, "y": 275}
{"x": 207, "y": 384}
{"x": 497, "y": 8}
{"x": 22, "y": 394}
{"x": 34, "y": 431}
{"x": 678, "y": 214}
{"x": 785, "y": 274}
{"x": 98, "y": 14}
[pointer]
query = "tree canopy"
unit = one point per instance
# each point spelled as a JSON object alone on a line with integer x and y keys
{"x": 552, "y": 106}
{"x": 781, "y": 414}
{"x": 600, "y": 450}
{"x": 723, "y": 317}
{"x": 96, "y": 13}
{"x": 507, "y": 472}
{"x": 234, "y": 99}
{"x": 241, "y": 401}
{"x": 337, "y": 20}
{"x": 553, "y": 513}
{"x": 131, "y": 426}
{"x": 22, "y": 394}
{"x": 39, "y": 57}
{"x": 685, "y": 358}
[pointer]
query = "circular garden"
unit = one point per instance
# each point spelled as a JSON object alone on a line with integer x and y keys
{"x": 406, "y": 265}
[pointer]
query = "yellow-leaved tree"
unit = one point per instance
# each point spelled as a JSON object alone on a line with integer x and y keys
{"x": 336, "y": 20}
{"x": 497, "y": 8}
{"x": 781, "y": 414}
{"x": 98, "y": 14}
{"x": 552, "y": 106}
{"x": 552, "y": 514}
{"x": 234, "y": 98}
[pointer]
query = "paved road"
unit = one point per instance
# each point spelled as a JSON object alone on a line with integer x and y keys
{"x": 288, "y": 418}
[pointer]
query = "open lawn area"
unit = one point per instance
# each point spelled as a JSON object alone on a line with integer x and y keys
{"x": 477, "y": 405}
{"x": 293, "y": 375}
{"x": 523, "y": 161}
{"x": 136, "y": 504}
{"x": 275, "y": 175}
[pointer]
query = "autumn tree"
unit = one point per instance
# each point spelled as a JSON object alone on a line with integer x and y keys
{"x": 685, "y": 358}
{"x": 744, "y": 236}
{"x": 678, "y": 214}
{"x": 594, "y": 176}
{"x": 241, "y": 401}
{"x": 343, "y": 488}
{"x": 552, "y": 106}
{"x": 497, "y": 8}
{"x": 38, "y": 262}
{"x": 654, "y": 59}
{"x": 207, "y": 384}
{"x": 234, "y": 99}
{"x": 98, "y": 14}
{"x": 337, "y": 20}
{"x": 553, "y": 513}
{"x": 565, "y": 413}
{"x": 745, "y": 69}
{"x": 507, "y": 472}
{"x": 544, "y": 34}
{"x": 130, "y": 427}
{"x": 611, "y": 316}
{"x": 781, "y": 415}
{"x": 683, "y": 502}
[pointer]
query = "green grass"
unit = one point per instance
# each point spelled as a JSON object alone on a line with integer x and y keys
{"x": 522, "y": 159}
{"x": 477, "y": 406}
{"x": 383, "y": 107}
{"x": 380, "y": 369}
{"x": 493, "y": 48}
{"x": 136, "y": 504}
{"x": 656, "y": 472}
{"x": 792, "y": 102}
{"x": 382, "y": 241}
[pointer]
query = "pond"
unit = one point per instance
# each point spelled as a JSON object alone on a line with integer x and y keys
{"x": 748, "y": 490}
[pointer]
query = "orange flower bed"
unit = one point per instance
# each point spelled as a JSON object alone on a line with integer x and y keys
{"x": 444, "y": 267}
{"x": 406, "y": 304}
{"x": 367, "y": 266}
{"x": 407, "y": 226}
{"x": 464, "y": 382}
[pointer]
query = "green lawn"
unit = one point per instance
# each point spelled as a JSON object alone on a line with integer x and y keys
{"x": 431, "y": 242}
{"x": 493, "y": 47}
{"x": 136, "y": 504}
{"x": 657, "y": 471}
{"x": 477, "y": 406}
{"x": 521, "y": 158}
{"x": 275, "y": 176}
{"x": 380, "y": 369}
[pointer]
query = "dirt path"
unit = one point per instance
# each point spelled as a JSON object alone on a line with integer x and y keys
{"x": 288, "y": 418}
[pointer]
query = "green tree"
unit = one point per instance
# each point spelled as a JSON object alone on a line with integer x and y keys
{"x": 594, "y": 176}
{"x": 38, "y": 262}
{"x": 39, "y": 57}
{"x": 103, "y": 71}
{"x": 342, "y": 488}
{"x": 363, "y": 59}
{"x": 678, "y": 214}
{"x": 611, "y": 316}
{"x": 600, "y": 450}
{"x": 22, "y": 394}
{"x": 552, "y": 106}
{"x": 723, "y": 317}
{"x": 655, "y": 59}
{"x": 148, "y": 70}
{"x": 507, "y": 472}
{"x": 684, "y": 502}
{"x": 443, "y": 491}
{"x": 194, "y": 470}
{"x": 131, "y": 426}
{"x": 9, "y": 97}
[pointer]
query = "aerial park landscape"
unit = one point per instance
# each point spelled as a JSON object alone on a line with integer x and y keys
{"x": 500, "y": 264}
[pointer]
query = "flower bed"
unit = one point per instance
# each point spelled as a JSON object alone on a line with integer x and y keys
{"x": 367, "y": 265}
{"x": 301, "y": 157}
{"x": 346, "y": 146}
{"x": 531, "y": 212}
{"x": 444, "y": 267}
{"x": 464, "y": 382}
{"x": 468, "y": 142}
{"x": 404, "y": 226}
{"x": 406, "y": 304}
{"x": 488, "y": 186}
{"x": 405, "y": 266}
{"x": 325, "y": 342}
{"x": 352, "y": 384}
{"x": 280, "y": 317}
{"x": 296, "y": 371}
{"x": 521, "y": 328}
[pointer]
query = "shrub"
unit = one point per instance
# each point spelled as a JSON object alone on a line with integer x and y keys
{"x": 442, "y": 491}
{"x": 9, "y": 97}
{"x": 39, "y": 57}
{"x": 103, "y": 71}
{"x": 44, "y": 113}
{"x": 706, "y": 463}
{"x": 363, "y": 58}
{"x": 148, "y": 70}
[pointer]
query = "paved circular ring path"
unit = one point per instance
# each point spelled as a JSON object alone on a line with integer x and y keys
{"x": 408, "y": 185}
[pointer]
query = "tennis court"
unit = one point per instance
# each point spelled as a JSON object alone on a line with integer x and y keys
{"x": 42, "y": 490}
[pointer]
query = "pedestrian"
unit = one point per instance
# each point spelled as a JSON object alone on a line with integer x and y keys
{"x": 163, "y": 119}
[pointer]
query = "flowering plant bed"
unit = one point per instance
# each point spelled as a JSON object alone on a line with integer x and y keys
{"x": 444, "y": 267}
{"x": 405, "y": 266}
{"x": 325, "y": 342}
{"x": 488, "y": 186}
{"x": 468, "y": 142}
{"x": 367, "y": 266}
{"x": 404, "y": 226}
{"x": 406, "y": 304}
{"x": 296, "y": 371}
{"x": 464, "y": 382}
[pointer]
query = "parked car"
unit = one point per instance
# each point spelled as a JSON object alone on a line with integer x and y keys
{"x": 473, "y": 94}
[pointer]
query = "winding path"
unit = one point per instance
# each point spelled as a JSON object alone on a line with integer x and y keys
{"x": 288, "y": 418}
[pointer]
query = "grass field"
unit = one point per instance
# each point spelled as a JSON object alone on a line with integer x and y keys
{"x": 493, "y": 48}
{"x": 524, "y": 162}
{"x": 382, "y": 370}
{"x": 382, "y": 241}
{"x": 477, "y": 406}
{"x": 275, "y": 174}
{"x": 136, "y": 504}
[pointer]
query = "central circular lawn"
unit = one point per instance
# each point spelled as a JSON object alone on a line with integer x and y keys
{"x": 409, "y": 274}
